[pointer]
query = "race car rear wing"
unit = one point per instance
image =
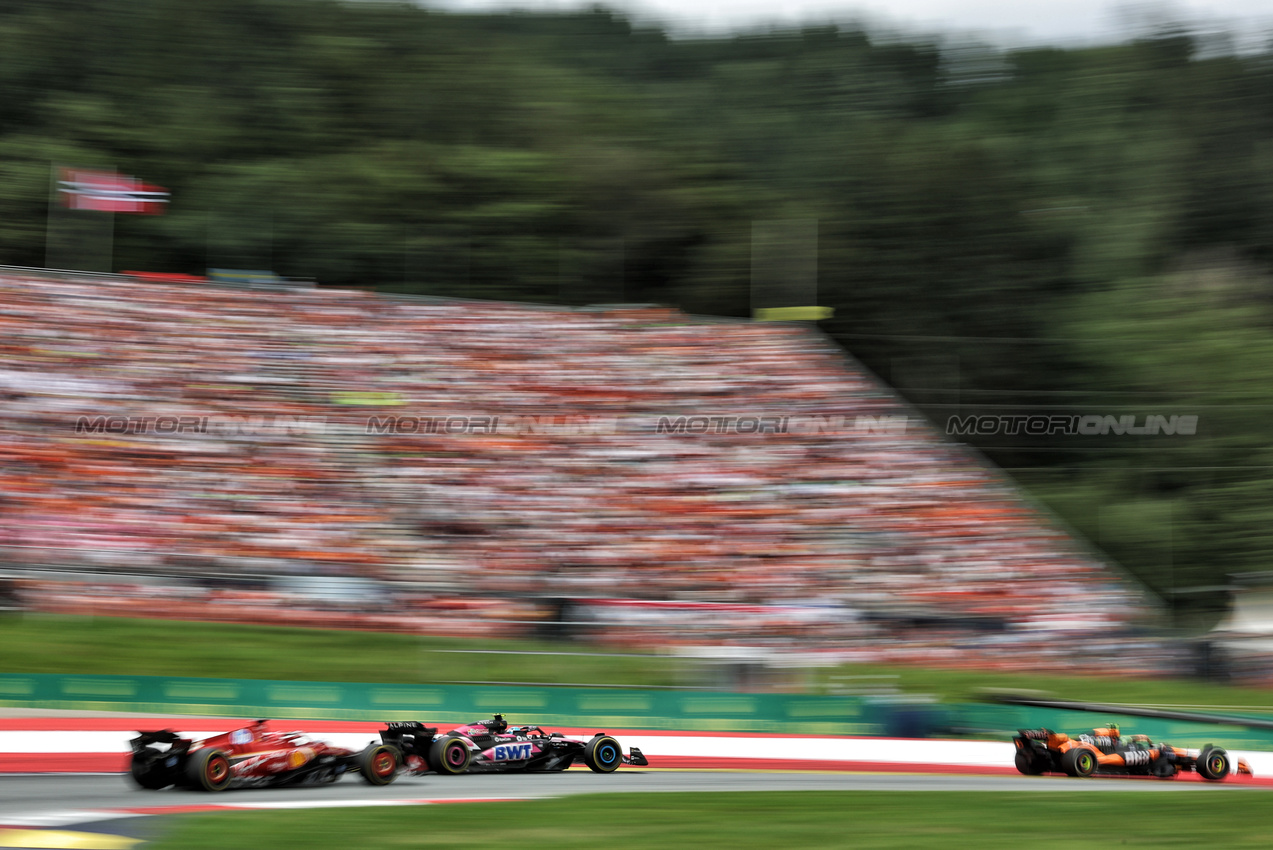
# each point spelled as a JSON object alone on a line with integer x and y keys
{"x": 164, "y": 736}
{"x": 409, "y": 736}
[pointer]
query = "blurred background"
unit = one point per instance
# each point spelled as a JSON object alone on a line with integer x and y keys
{"x": 422, "y": 310}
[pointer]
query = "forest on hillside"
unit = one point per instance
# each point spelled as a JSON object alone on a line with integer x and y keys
{"x": 1056, "y": 232}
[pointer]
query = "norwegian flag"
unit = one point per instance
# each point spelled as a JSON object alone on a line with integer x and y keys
{"x": 106, "y": 191}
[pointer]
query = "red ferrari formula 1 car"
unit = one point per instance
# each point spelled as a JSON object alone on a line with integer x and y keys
{"x": 1105, "y": 751}
{"x": 490, "y": 746}
{"x": 253, "y": 757}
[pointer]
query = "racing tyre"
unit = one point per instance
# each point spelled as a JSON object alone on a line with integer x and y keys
{"x": 208, "y": 770}
{"x": 1028, "y": 765}
{"x": 149, "y": 772}
{"x": 603, "y": 754}
{"x": 449, "y": 755}
{"x": 1078, "y": 762}
{"x": 379, "y": 764}
{"x": 1213, "y": 763}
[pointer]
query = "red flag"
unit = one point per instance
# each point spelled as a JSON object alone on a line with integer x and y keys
{"x": 106, "y": 191}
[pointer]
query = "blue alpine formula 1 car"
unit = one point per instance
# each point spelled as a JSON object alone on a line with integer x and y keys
{"x": 492, "y": 746}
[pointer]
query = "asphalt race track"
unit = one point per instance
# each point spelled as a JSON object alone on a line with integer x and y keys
{"x": 62, "y": 799}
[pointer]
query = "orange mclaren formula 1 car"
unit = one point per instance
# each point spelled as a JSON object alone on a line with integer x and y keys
{"x": 1104, "y": 751}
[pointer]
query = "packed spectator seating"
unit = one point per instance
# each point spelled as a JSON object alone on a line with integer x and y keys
{"x": 202, "y": 433}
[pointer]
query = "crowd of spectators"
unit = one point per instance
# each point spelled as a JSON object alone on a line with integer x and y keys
{"x": 536, "y": 453}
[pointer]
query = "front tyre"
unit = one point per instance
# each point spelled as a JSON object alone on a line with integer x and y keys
{"x": 603, "y": 755}
{"x": 450, "y": 756}
{"x": 1213, "y": 764}
{"x": 379, "y": 764}
{"x": 208, "y": 770}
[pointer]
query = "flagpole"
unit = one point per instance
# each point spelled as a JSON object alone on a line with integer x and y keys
{"x": 80, "y": 238}
{"x": 110, "y": 245}
{"x": 48, "y": 220}
{"x": 110, "y": 236}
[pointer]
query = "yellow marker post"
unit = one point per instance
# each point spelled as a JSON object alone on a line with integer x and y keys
{"x": 793, "y": 314}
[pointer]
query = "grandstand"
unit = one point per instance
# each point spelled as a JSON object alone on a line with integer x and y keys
{"x": 646, "y": 475}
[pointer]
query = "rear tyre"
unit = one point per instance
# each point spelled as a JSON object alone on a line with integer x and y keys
{"x": 1213, "y": 764}
{"x": 148, "y": 772}
{"x": 208, "y": 770}
{"x": 1027, "y": 765}
{"x": 450, "y": 756}
{"x": 379, "y": 764}
{"x": 1078, "y": 762}
{"x": 603, "y": 754}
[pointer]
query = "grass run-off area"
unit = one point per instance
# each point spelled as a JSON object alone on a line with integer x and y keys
{"x": 931, "y": 820}
{"x": 47, "y": 643}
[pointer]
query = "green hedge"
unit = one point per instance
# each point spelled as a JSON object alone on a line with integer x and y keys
{"x": 607, "y": 707}
{"x": 589, "y": 707}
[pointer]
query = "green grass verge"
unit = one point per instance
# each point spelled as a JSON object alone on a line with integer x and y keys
{"x": 43, "y": 643}
{"x": 46, "y": 643}
{"x": 970, "y": 685}
{"x": 868, "y": 819}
